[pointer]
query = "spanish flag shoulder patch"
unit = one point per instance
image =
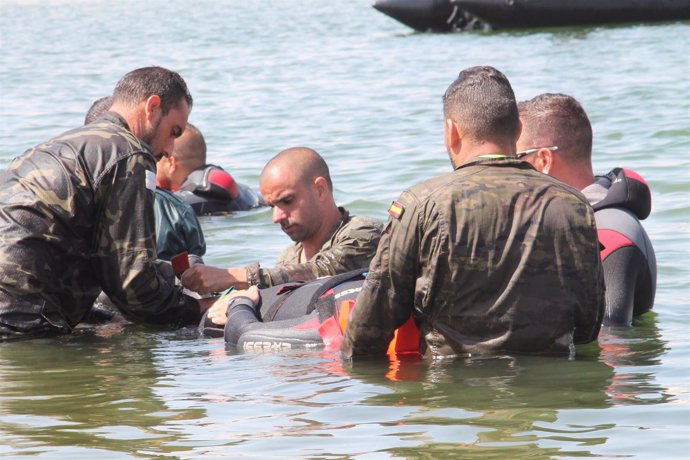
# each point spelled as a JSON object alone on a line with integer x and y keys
{"x": 396, "y": 210}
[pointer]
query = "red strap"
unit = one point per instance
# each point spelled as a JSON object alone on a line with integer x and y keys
{"x": 630, "y": 174}
{"x": 331, "y": 330}
{"x": 611, "y": 240}
{"x": 223, "y": 180}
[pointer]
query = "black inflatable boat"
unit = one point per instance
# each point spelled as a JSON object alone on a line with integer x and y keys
{"x": 449, "y": 15}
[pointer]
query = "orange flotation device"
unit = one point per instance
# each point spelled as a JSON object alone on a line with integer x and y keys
{"x": 405, "y": 338}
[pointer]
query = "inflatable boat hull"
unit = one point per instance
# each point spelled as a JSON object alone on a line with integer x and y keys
{"x": 449, "y": 15}
{"x": 426, "y": 15}
{"x": 550, "y": 13}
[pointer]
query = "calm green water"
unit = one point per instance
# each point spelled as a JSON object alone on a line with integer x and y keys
{"x": 364, "y": 91}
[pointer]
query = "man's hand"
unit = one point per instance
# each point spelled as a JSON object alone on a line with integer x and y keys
{"x": 217, "y": 312}
{"x": 206, "y": 279}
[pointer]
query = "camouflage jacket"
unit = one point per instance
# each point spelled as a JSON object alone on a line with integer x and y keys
{"x": 351, "y": 245}
{"x": 76, "y": 217}
{"x": 491, "y": 257}
{"x": 177, "y": 227}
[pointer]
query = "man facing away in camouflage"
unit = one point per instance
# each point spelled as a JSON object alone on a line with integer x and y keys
{"x": 492, "y": 257}
{"x": 76, "y": 216}
{"x": 296, "y": 183}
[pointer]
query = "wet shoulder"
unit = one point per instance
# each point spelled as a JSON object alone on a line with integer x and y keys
{"x": 103, "y": 135}
{"x": 430, "y": 188}
{"x": 365, "y": 222}
{"x": 499, "y": 178}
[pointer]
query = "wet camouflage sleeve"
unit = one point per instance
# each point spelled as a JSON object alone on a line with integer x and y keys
{"x": 127, "y": 250}
{"x": 351, "y": 247}
{"x": 387, "y": 297}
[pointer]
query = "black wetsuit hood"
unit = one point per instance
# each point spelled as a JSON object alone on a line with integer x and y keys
{"x": 624, "y": 189}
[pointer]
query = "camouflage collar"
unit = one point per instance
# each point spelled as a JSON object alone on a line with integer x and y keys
{"x": 495, "y": 160}
{"x": 116, "y": 118}
{"x": 344, "y": 218}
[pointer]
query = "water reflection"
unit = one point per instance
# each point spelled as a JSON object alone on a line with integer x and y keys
{"x": 634, "y": 353}
{"x": 505, "y": 399}
{"x": 517, "y": 403}
{"x": 133, "y": 392}
{"x": 91, "y": 390}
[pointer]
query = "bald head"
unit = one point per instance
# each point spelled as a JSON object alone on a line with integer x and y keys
{"x": 304, "y": 162}
{"x": 557, "y": 119}
{"x": 296, "y": 184}
{"x": 190, "y": 148}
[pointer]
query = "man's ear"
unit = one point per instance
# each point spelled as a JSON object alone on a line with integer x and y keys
{"x": 321, "y": 187}
{"x": 544, "y": 158}
{"x": 153, "y": 104}
{"x": 451, "y": 134}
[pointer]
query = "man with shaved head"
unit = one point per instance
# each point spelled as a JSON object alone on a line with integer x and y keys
{"x": 207, "y": 188}
{"x": 296, "y": 183}
{"x": 189, "y": 154}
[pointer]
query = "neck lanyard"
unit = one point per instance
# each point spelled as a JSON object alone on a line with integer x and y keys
{"x": 492, "y": 155}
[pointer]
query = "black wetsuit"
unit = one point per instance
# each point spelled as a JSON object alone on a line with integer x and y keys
{"x": 288, "y": 316}
{"x": 620, "y": 200}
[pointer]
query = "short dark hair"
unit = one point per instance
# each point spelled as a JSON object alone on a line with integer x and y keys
{"x": 99, "y": 107}
{"x": 140, "y": 84}
{"x": 558, "y": 119}
{"x": 482, "y": 102}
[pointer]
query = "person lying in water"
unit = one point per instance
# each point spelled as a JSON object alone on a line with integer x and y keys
{"x": 207, "y": 188}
